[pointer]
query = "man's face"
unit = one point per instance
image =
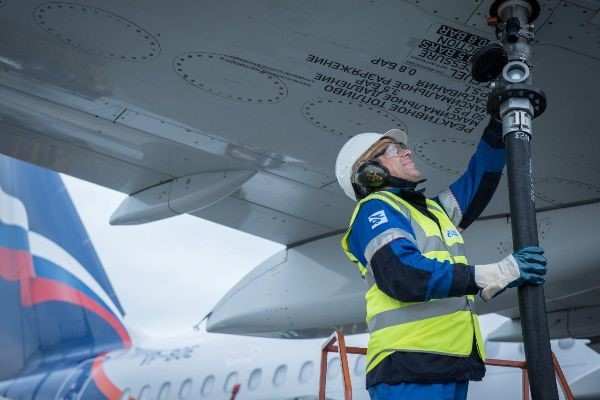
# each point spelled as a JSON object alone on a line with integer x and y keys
{"x": 397, "y": 161}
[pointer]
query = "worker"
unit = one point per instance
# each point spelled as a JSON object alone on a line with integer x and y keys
{"x": 425, "y": 341}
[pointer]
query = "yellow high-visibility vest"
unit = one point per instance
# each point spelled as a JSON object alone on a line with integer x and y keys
{"x": 442, "y": 326}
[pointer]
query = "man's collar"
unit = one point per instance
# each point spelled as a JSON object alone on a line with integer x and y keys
{"x": 406, "y": 191}
{"x": 396, "y": 184}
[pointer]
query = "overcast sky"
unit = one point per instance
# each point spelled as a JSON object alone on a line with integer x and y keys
{"x": 167, "y": 274}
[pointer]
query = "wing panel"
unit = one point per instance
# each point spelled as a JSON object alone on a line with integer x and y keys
{"x": 261, "y": 221}
{"x": 85, "y": 163}
{"x": 154, "y": 91}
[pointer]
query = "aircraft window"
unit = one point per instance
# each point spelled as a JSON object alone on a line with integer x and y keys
{"x": 144, "y": 393}
{"x": 306, "y": 372}
{"x": 279, "y": 375}
{"x": 208, "y": 385}
{"x": 186, "y": 389}
{"x": 566, "y": 344}
{"x": 254, "y": 379}
{"x": 163, "y": 393}
{"x": 333, "y": 368}
{"x": 231, "y": 380}
{"x": 125, "y": 395}
{"x": 360, "y": 367}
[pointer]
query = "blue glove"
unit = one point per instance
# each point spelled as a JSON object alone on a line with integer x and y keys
{"x": 527, "y": 265}
{"x": 532, "y": 265}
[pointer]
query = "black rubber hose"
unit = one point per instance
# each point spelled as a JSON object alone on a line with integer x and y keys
{"x": 532, "y": 305}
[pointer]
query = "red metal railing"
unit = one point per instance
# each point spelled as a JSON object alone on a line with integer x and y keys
{"x": 235, "y": 390}
{"x": 343, "y": 350}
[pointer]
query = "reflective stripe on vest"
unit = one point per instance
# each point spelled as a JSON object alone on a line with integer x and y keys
{"x": 419, "y": 311}
{"x": 383, "y": 239}
{"x": 423, "y": 242}
{"x": 451, "y": 206}
{"x": 427, "y": 245}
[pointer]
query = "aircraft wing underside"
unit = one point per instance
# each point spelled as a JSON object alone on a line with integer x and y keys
{"x": 234, "y": 111}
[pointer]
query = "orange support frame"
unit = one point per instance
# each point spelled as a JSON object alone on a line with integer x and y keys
{"x": 235, "y": 390}
{"x": 343, "y": 350}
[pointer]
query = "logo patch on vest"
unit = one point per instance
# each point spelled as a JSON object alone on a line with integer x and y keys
{"x": 377, "y": 218}
{"x": 452, "y": 233}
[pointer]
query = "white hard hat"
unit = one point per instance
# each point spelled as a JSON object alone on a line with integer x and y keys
{"x": 354, "y": 149}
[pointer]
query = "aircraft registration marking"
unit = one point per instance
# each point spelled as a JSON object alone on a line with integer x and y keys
{"x": 168, "y": 355}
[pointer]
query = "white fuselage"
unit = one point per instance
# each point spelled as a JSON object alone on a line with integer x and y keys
{"x": 206, "y": 366}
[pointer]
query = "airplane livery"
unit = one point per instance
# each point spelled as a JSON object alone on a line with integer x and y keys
{"x": 58, "y": 306}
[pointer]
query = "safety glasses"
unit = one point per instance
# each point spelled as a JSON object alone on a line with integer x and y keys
{"x": 392, "y": 150}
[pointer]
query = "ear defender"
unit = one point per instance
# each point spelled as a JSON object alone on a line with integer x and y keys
{"x": 372, "y": 175}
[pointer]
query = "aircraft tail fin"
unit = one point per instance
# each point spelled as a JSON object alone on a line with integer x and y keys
{"x": 56, "y": 302}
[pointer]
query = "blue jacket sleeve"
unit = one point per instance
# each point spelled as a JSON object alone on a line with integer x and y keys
{"x": 382, "y": 239}
{"x": 467, "y": 197}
